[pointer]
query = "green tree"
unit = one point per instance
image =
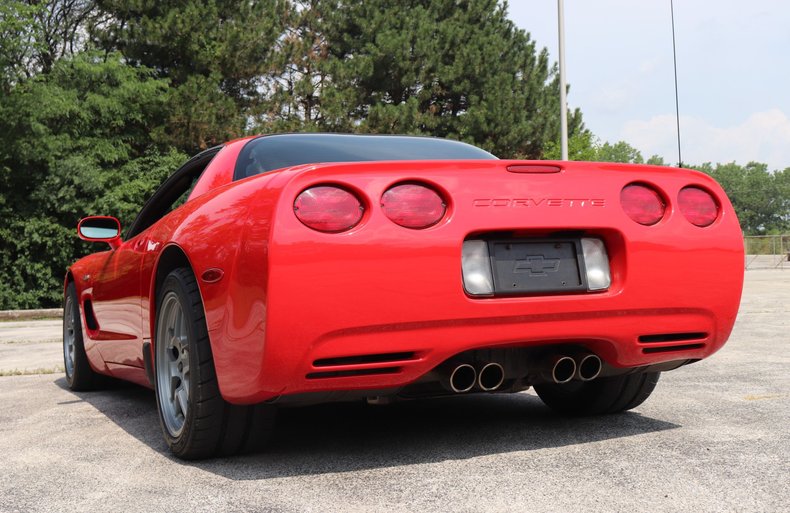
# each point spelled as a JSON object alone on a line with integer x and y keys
{"x": 75, "y": 141}
{"x": 620, "y": 151}
{"x": 36, "y": 33}
{"x": 18, "y": 45}
{"x": 758, "y": 196}
{"x": 457, "y": 69}
{"x": 584, "y": 146}
{"x": 216, "y": 54}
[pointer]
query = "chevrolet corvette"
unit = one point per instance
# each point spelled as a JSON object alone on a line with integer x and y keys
{"x": 296, "y": 269}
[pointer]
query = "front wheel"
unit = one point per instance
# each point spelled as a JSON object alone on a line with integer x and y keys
{"x": 196, "y": 421}
{"x": 603, "y": 395}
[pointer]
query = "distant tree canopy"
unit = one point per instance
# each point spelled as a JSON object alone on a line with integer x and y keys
{"x": 102, "y": 99}
{"x": 583, "y": 145}
{"x": 761, "y": 198}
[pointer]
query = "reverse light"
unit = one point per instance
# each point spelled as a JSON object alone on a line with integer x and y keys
{"x": 596, "y": 262}
{"x": 698, "y": 205}
{"x": 413, "y": 205}
{"x": 476, "y": 265}
{"x": 643, "y": 204}
{"x": 327, "y": 208}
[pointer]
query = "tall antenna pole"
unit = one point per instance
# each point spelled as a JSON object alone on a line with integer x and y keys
{"x": 563, "y": 102}
{"x": 675, "y": 64}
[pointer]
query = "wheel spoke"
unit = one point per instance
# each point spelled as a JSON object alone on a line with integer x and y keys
{"x": 183, "y": 400}
{"x": 178, "y": 329}
{"x": 175, "y": 382}
{"x": 184, "y": 364}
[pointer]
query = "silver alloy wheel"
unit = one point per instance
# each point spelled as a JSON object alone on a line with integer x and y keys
{"x": 172, "y": 364}
{"x": 69, "y": 337}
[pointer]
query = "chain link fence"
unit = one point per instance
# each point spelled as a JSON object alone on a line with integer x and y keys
{"x": 767, "y": 251}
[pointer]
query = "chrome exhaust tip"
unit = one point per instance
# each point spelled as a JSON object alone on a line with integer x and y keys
{"x": 463, "y": 378}
{"x": 589, "y": 367}
{"x": 491, "y": 377}
{"x": 563, "y": 369}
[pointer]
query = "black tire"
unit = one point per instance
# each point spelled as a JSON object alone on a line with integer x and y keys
{"x": 600, "y": 396}
{"x": 79, "y": 374}
{"x": 210, "y": 426}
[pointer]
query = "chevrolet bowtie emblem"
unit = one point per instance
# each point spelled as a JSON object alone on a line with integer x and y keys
{"x": 536, "y": 265}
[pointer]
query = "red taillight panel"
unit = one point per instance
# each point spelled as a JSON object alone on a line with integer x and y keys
{"x": 642, "y": 203}
{"x": 698, "y": 205}
{"x": 413, "y": 205}
{"x": 328, "y": 208}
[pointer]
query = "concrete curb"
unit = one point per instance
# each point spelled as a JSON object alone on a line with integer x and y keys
{"x": 20, "y": 315}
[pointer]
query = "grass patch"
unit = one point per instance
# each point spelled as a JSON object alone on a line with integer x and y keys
{"x": 31, "y": 372}
{"x": 34, "y": 318}
{"x": 33, "y": 341}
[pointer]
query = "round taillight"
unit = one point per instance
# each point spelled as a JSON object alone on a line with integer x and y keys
{"x": 698, "y": 205}
{"x": 643, "y": 204}
{"x": 327, "y": 208}
{"x": 413, "y": 205}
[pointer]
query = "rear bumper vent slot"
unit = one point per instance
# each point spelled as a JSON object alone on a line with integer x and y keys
{"x": 672, "y": 337}
{"x": 668, "y": 349}
{"x": 364, "y": 359}
{"x": 353, "y": 372}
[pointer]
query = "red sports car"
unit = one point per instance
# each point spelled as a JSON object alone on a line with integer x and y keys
{"x": 304, "y": 268}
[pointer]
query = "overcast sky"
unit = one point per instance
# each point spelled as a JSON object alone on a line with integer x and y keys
{"x": 733, "y": 73}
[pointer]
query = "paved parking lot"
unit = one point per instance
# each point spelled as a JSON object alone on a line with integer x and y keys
{"x": 713, "y": 437}
{"x": 31, "y": 347}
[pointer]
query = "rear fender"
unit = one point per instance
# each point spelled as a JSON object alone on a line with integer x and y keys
{"x": 223, "y": 236}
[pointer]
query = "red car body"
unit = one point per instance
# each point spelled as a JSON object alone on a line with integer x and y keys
{"x": 379, "y": 307}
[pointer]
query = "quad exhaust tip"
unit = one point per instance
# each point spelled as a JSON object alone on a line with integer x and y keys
{"x": 491, "y": 377}
{"x": 463, "y": 378}
{"x": 563, "y": 369}
{"x": 589, "y": 367}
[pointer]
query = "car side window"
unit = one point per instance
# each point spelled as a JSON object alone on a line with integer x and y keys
{"x": 173, "y": 192}
{"x": 185, "y": 195}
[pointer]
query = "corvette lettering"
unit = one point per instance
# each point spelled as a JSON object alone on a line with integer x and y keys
{"x": 540, "y": 202}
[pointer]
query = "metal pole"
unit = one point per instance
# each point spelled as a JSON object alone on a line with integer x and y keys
{"x": 675, "y": 68}
{"x": 563, "y": 102}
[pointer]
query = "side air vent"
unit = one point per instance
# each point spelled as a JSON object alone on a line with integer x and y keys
{"x": 90, "y": 317}
{"x": 672, "y": 337}
{"x": 353, "y": 372}
{"x": 364, "y": 359}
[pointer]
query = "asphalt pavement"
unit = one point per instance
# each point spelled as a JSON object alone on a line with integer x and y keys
{"x": 713, "y": 437}
{"x": 30, "y": 347}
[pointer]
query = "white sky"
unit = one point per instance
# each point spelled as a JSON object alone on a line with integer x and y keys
{"x": 733, "y": 73}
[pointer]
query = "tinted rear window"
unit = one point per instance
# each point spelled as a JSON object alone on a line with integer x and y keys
{"x": 278, "y": 151}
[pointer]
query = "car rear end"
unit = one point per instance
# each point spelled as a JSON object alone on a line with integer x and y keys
{"x": 383, "y": 287}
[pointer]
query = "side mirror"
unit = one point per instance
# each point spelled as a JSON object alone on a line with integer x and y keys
{"x": 100, "y": 229}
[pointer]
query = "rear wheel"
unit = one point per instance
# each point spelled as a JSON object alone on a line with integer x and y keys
{"x": 79, "y": 374}
{"x": 603, "y": 395}
{"x": 197, "y": 422}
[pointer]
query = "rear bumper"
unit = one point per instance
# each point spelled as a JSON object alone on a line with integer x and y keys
{"x": 321, "y": 330}
{"x": 334, "y": 302}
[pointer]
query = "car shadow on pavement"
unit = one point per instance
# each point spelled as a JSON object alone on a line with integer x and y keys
{"x": 344, "y": 437}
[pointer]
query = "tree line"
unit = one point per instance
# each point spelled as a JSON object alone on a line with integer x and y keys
{"x": 760, "y": 196}
{"x": 101, "y": 99}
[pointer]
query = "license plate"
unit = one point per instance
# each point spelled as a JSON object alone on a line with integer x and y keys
{"x": 539, "y": 266}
